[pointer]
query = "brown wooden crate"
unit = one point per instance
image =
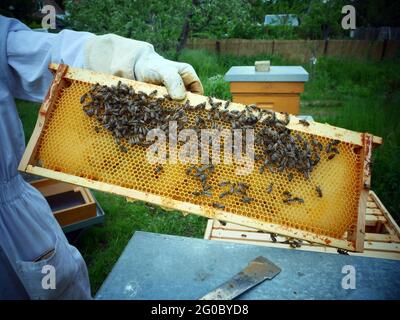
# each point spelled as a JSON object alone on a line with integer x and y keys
{"x": 74, "y": 214}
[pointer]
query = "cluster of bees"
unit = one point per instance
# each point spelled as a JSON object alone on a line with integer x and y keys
{"x": 202, "y": 174}
{"x": 129, "y": 115}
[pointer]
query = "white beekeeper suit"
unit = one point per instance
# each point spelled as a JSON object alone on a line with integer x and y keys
{"x": 30, "y": 237}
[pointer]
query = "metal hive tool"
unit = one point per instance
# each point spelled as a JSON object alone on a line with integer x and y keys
{"x": 67, "y": 146}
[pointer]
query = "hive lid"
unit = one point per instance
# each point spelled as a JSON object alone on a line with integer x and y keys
{"x": 276, "y": 74}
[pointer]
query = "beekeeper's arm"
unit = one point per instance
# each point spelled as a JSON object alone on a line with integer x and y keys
{"x": 29, "y": 54}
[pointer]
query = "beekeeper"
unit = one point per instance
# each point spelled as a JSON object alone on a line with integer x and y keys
{"x": 36, "y": 260}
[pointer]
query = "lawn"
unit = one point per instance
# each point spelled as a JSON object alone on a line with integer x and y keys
{"x": 361, "y": 96}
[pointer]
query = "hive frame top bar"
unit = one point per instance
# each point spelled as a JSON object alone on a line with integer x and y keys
{"x": 64, "y": 72}
{"x": 315, "y": 128}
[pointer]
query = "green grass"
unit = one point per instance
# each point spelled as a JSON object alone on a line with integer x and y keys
{"x": 350, "y": 94}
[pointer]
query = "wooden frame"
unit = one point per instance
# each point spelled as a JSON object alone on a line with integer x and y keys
{"x": 382, "y": 237}
{"x": 73, "y": 214}
{"x": 65, "y": 73}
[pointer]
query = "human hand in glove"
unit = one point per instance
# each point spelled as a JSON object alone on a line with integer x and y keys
{"x": 137, "y": 60}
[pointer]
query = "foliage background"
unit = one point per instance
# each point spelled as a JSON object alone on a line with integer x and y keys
{"x": 161, "y": 22}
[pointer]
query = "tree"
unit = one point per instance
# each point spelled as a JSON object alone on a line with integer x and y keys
{"x": 166, "y": 24}
{"x": 155, "y": 21}
{"x": 372, "y": 13}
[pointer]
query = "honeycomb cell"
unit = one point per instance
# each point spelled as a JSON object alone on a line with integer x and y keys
{"x": 70, "y": 144}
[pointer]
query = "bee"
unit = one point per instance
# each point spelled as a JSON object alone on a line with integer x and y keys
{"x": 224, "y": 194}
{"x": 261, "y": 169}
{"x": 190, "y": 170}
{"x": 158, "y": 169}
{"x": 273, "y": 237}
{"x": 246, "y": 199}
{"x": 218, "y": 205}
{"x": 123, "y": 149}
{"x": 200, "y": 106}
{"x": 94, "y": 87}
{"x": 83, "y": 98}
{"x": 243, "y": 185}
{"x": 304, "y": 122}
{"x": 287, "y": 118}
{"x": 294, "y": 244}
{"x": 269, "y": 189}
{"x": 280, "y": 125}
{"x": 334, "y": 150}
{"x": 199, "y": 121}
{"x": 207, "y": 193}
{"x": 331, "y": 156}
{"x": 287, "y": 194}
{"x": 197, "y": 193}
{"x": 39, "y": 163}
{"x": 153, "y": 93}
{"x": 224, "y": 183}
{"x": 97, "y": 129}
{"x": 342, "y": 251}
{"x": 271, "y": 169}
{"x": 89, "y": 112}
{"x": 335, "y": 142}
{"x": 297, "y": 199}
{"x": 227, "y": 103}
{"x": 328, "y": 147}
{"x": 202, "y": 178}
{"x": 319, "y": 191}
{"x": 241, "y": 190}
{"x": 290, "y": 176}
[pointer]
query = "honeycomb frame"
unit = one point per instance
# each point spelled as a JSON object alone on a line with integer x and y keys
{"x": 72, "y": 154}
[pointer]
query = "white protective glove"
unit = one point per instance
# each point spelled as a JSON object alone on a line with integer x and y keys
{"x": 137, "y": 60}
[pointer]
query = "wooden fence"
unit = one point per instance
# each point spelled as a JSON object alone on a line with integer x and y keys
{"x": 302, "y": 50}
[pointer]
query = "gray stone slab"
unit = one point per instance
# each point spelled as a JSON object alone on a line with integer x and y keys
{"x": 276, "y": 74}
{"x": 155, "y": 266}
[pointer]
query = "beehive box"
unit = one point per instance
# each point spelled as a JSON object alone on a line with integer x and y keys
{"x": 65, "y": 146}
{"x": 382, "y": 234}
{"x": 70, "y": 204}
{"x": 278, "y": 89}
